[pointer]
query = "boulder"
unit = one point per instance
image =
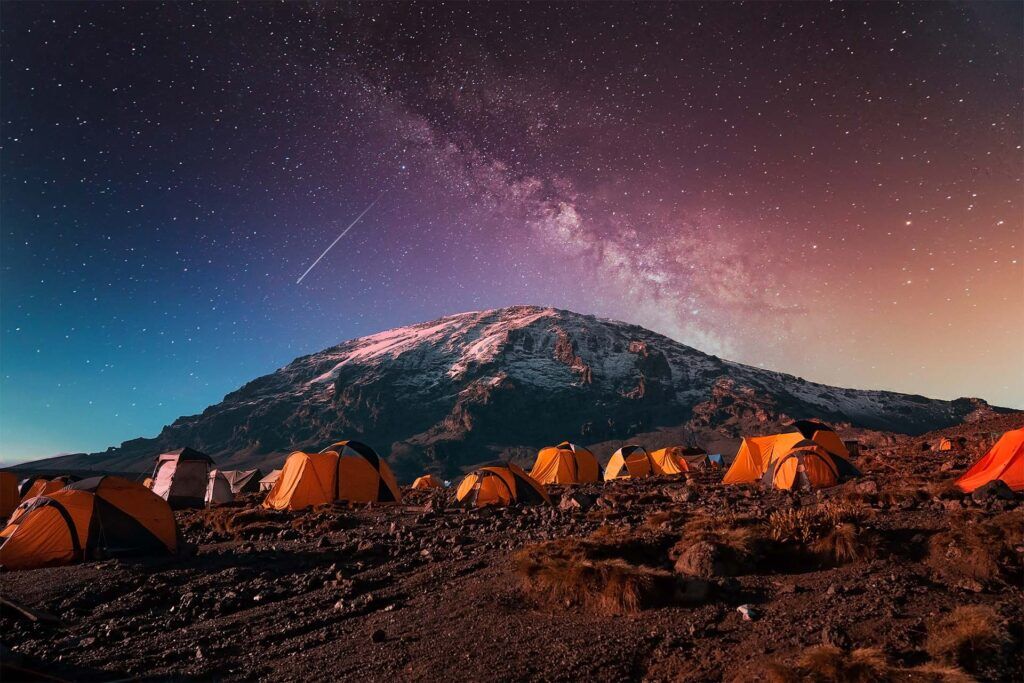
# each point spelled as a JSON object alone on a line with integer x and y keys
{"x": 994, "y": 490}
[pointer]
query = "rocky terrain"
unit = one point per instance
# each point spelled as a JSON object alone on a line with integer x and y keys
{"x": 443, "y": 395}
{"x": 896, "y": 576}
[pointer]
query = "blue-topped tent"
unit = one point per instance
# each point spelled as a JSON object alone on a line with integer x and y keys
{"x": 717, "y": 460}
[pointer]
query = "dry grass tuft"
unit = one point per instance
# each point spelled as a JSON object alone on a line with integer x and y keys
{"x": 719, "y": 547}
{"x": 843, "y": 545}
{"x": 975, "y": 550}
{"x": 580, "y": 573}
{"x": 934, "y": 673}
{"x": 829, "y": 664}
{"x": 832, "y": 531}
{"x": 971, "y": 636}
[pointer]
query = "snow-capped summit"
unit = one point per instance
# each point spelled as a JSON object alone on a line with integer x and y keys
{"x": 466, "y": 388}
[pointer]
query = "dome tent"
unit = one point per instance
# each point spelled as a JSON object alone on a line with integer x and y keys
{"x": 426, "y": 482}
{"x": 1004, "y": 461}
{"x": 91, "y": 519}
{"x": 40, "y": 486}
{"x": 807, "y": 465}
{"x": 629, "y": 462}
{"x": 565, "y": 463}
{"x": 346, "y": 471}
{"x": 9, "y": 496}
{"x": 500, "y": 483}
{"x": 180, "y": 477}
{"x": 757, "y": 453}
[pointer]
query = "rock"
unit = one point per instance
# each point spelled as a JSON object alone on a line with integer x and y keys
{"x": 577, "y": 500}
{"x": 787, "y": 588}
{"x": 867, "y": 486}
{"x": 835, "y": 636}
{"x": 995, "y": 489}
{"x": 199, "y": 653}
{"x": 378, "y": 636}
{"x": 952, "y": 505}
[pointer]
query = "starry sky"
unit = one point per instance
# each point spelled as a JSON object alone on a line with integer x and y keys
{"x": 828, "y": 190}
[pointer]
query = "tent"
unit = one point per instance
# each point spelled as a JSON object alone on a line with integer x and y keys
{"x": 363, "y": 476}
{"x": 945, "y": 445}
{"x": 696, "y": 458}
{"x": 243, "y": 481}
{"x": 565, "y": 463}
{"x": 628, "y": 462}
{"x": 40, "y": 486}
{"x": 669, "y": 461}
{"x": 716, "y": 460}
{"x": 181, "y": 477}
{"x": 348, "y": 471}
{"x": 218, "y": 488}
{"x": 148, "y": 483}
{"x": 807, "y": 465}
{"x": 8, "y": 494}
{"x": 1005, "y": 461}
{"x": 757, "y": 453}
{"x": 500, "y": 483}
{"x": 267, "y": 482}
{"x": 306, "y": 479}
{"x": 91, "y": 519}
{"x": 427, "y": 481}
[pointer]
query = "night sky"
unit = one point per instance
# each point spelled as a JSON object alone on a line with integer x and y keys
{"x": 828, "y": 190}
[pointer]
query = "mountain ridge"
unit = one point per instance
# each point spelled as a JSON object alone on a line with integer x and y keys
{"x": 444, "y": 394}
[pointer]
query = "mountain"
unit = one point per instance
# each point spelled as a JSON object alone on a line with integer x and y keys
{"x": 467, "y": 388}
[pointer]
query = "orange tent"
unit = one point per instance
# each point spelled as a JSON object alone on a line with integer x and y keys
{"x": 427, "y": 481}
{"x": 44, "y": 487}
{"x": 348, "y": 471}
{"x": 807, "y": 464}
{"x": 92, "y": 519}
{"x": 757, "y": 453}
{"x": 944, "y": 445}
{"x": 629, "y": 462}
{"x": 1005, "y": 461}
{"x": 306, "y": 479}
{"x": 565, "y": 463}
{"x": 669, "y": 460}
{"x": 500, "y": 483}
{"x": 8, "y": 494}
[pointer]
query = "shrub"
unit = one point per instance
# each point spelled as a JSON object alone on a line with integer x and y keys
{"x": 582, "y": 573}
{"x": 971, "y": 636}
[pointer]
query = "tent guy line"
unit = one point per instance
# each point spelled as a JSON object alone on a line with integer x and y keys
{"x": 336, "y": 239}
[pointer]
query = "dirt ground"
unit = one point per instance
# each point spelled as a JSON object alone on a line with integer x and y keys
{"x": 634, "y": 580}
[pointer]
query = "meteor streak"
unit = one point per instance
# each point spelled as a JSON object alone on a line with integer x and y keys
{"x": 331, "y": 246}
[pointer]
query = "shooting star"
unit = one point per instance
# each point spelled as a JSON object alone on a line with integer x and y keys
{"x": 350, "y": 226}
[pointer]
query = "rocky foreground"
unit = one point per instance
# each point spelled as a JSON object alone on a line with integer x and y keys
{"x": 896, "y": 576}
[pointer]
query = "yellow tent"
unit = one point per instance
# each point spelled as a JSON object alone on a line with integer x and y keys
{"x": 629, "y": 462}
{"x": 427, "y": 481}
{"x": 669, "y": 461}
{"x": 500, "y": 483}
{"x": 757, "y": 453}
{"x": 566, "y": 463}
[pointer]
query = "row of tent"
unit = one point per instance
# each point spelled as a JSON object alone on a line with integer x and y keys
{"x": 187, "y": 478}
{"x": 110, "y": 516}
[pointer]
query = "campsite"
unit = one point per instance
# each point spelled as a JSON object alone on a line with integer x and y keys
{"x": 896, "y": 573}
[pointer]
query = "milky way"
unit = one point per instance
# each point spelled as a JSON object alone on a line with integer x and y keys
{"x": 828, "y": 190}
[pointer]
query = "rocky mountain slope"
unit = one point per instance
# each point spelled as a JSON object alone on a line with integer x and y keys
{"x": 446, "y": 394}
